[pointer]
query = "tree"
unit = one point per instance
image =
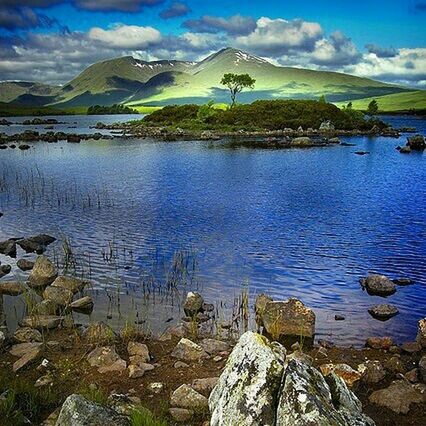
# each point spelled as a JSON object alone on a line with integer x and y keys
{"x": 373, "y": 107}
{"x": 322, "y": 99}
{"x": 349, "y": 105}
{"x": 236, "y": 83}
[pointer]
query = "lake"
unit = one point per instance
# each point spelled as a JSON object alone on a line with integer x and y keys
{"x": 148, "y": 220}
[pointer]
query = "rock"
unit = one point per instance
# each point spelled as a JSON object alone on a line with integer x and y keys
{"x": 74, "y": 285}
{"x": 399, "y": 396}
{"x": 259, "y": 307}
{"x": 302, "y": 141}
{"x": 421, "y": 333}
{"x": 11, "y": 288}
{"x": 422, "y": 368}
{"x": 416, "y": 142}
{"x": 290, "y": 318}
{"x": 186, "y": 397}
{"x": 25, "y": 265}
{"x": 23, "y": 147}
{"x": 44, "y": 381}
{"x": 361, "y": 153}
{"x": 60, "y": 296}
{"x": 156, "y": 387}
{"x": 205, "y": 386}
{"x": 27, "y": 357}
{"x": 8, "y": 248}
{"x": 22, "y": 348}
{"x": 5, "y": 270}
{"x": 135, "y": 371}
{"x": 2, "y": 339}
{"x": 30, "y": 246}
{"x": 46, "y": 307}
{"x": 378, "y": 285}
{"x": 78, "y": 411}
{"x": 299, "y": 356}
{"x": 404, "y": 150}
{"x": 139, "y": 350}
{"x": 383, "y": 312}
{"x": 412, "y": 375}
{"x": 186, "y": 350}
{"x": 372, "y": 372}
{"x": 106, "y": 359}
{"x": 43, "y": 239}
{"x": 309, "y": 399}
{"x": 99, "y": 333}
{"x": 180, "y": 364}
{"x": 43, "y": 273}
{"x": 213, "y": 346}
{"x": 344, "y": 371}
{"x": 379, "y": 343}
{"x": 72, "y": 138}
{"x": 411, "y": 347}
{"x": 84, "y": 305}
{"x": 247, "y": 390}
{"x": 27, "y": 334}
{"x": 339, "y": 317}
{"x": 403, "y": 281}
{"x": 395, "y": 365}
{"x": 193, "y": 304}
{"x": 181, "y": 415}
{"x": 326, "y": 126}
{"x": 42, "y": 321}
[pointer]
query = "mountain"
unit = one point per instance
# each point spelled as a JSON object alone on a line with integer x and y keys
{"x": 24, "y": 92}
{"x": 135, "y": 82}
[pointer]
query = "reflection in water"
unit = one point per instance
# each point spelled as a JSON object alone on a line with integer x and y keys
{"x": 291, "y": 223}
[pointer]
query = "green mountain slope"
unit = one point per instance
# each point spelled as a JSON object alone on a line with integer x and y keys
{"x": 404, "y": 101}
{"x": 16, "y": 90}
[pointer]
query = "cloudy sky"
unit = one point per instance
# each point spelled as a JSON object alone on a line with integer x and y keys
{"x": 53, "y": 40}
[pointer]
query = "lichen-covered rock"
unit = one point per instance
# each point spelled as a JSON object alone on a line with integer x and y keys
{"x": 308, "y": 399}
{"x": 60, "y": 296}
{"x": 193, "y": 304}
{"x": 421, "y": 333}
{"x": 378, "y": 285}
{"x": 186, "y": 350}
{"x": 42, "y": 321}
{"x": 43, "y": 273}
{"x": 69, "y": 283}
{"x": 371, "y": 372}
{"x": 290, "y": 318}
{"x": 139, "y": 350}
{"x": 78, "y": 411}
{"x": 27, "y": 334}
{"x": 247, "y": 390}
{"x": 186, "y": 397}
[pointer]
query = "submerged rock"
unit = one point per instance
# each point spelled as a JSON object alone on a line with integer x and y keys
{"x": 247, "y": 390}
{"x": 379, "y": 342}
{"x": 78, "y": 411}
{"x": 43, "y": 273}
{"x": 31, "y": 246}
{"x": 378, "y": 285}
{"x": 5, "y": 270}
{"x": 383, "y": 312}
{"x": 416, "y": 142}
{"x": 25, "y": 265}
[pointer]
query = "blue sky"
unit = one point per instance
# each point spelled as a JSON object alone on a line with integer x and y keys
{"x": 379, "y": 39}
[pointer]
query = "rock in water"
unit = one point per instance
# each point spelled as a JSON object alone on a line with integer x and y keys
{"x": 383, "y": 312}
{"x": 43, "y": 273}
{"x": 290, "y": 318}
{"x": 69, "y": 283}
{"x": 308, "y": 399}
{"x": 25, "y": 265}
{"x": 378, "y": 285}
{"x": 78, "y": 411}
{"x": 60, "y": 296}
{"x": 247, "y": 391}
{"x": 8, "y": 248}
{"x": 193, "y": 304}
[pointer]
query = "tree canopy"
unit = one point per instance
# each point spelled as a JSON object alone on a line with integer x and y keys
{"x": 373, "y": 107}
{"x": 236, "y": 83}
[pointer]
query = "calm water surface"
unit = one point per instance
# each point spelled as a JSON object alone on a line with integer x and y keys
{"x": 302, "y": 223}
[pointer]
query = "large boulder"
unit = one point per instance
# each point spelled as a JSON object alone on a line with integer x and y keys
{"x": 290, "y": 318}
{"x": 378, "y": 285}
{"x": 247, "y": 390}
{"x": 43, "y": 273}
{"x": 309, "y": 399}
{"x": 78, "y": 411}
{"x": 421, "y": 333}
{"x": 259, "y": 307}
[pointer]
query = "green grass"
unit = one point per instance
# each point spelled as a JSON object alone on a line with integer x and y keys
{"x": 145, "y": 109}
{"x": 141, "y": 416}
{"x": 404, "y": 101}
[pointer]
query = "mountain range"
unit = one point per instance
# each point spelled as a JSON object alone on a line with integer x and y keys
{"x": 136, "y": 82}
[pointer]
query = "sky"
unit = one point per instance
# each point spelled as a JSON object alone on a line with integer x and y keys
{"x": 51, "y": 41}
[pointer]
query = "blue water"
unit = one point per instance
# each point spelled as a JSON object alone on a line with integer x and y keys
{"x": 303, "y": 223}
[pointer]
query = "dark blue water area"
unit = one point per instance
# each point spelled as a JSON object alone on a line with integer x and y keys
{"x": 305, "y": 223}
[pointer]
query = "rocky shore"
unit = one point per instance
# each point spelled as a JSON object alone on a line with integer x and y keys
{"x": 195, "y": 373}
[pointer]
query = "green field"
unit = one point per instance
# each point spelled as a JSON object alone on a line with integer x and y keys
{"x": 404, "y": 101}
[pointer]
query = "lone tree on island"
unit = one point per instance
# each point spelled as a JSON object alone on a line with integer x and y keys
{"x": 373, "y": 107}
{"x": 236, "y": 83}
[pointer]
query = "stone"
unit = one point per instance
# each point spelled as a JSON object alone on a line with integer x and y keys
{"x": 307, "y": 398}
{"x": 326, "y": 126}
{"x": 422, "y": 369}
{"x": 84, "y": 304}
{"x": 27, "y": 357}
{"x": 421, "y": 333}
{"x": 247, "y": 390}
{"x": 372, "y": 372}
{"x": 118, "y": 366}
{"x": 193, "y": 304}
{"x": 27, "y": 334}
{"x": 43, "y": 239}
{"x": 204, "y": 386}
{"x": 302, "y": 141}
{"x": 22, "y": 348}
{"x": 259, "y": 307}
{"x": 42, "y": 321}
{"x": 399, "y": 396}
{"x": 69, "y": 283}
{"x": 78, "y": 411}
{"x": 395, "y": 365}
{"x": 344, "y": 371}
{"x": 181, "y": 415}
{"x": 5, "y": 270}
{"x": 44, "y": 381}
{"x": 8, "y": 248}
{"x": 25, "y": 265}
{"x": 11, "y": 288}
{"x": 46, "y": 307}
{"x": 416, "y": 142}
{"x": 213, "y": 346}
{"x": 60, "y": 296}
{"x": 99, "y": 333}
{"x": 290, "y": 318}
{"x": 411, "y": 347}
{"x": 378, "y": 285}
{"x": 156, "y": 387}
{"x": 186, "y": 350}
{"x": 135, "y": 371}
{"x": 383, "y": 343}
{"x": 43, "y": 273}
{"x": 30, "y": 246}
{"x": 383, "y": 312}
{"x": 412, "y": 375}
{"x": 186, "y": 397}
{"x": 139, "y": 350}
{"x": 339, "y": 317}
{"x": 106, "y": 359}
{"x": 180, "y": 364}
{"x": 2, "y": 339}
{"x": 403, "y": 281}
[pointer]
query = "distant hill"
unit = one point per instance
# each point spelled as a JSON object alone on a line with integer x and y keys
{"x": 135, "y": 82}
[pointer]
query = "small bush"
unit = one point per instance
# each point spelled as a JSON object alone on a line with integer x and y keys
{"x": 113, "y": 109}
